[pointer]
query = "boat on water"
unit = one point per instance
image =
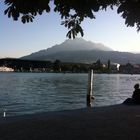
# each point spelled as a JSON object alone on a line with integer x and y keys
{"x": 6, "y": 69}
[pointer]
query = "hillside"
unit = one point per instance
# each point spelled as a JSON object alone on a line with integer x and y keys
{"x": 80, "y": 50}
{"x": 77, "y": 44}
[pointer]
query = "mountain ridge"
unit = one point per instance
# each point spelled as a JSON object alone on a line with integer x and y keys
{"x": 78, "y": 44}
{"x": 80, "y": 50}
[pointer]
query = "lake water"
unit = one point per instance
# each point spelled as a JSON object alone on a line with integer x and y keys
{"x": 27, "y": 93}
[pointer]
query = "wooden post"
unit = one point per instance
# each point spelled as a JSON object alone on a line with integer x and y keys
{"x": 4, "y": 113}
{"x": 90, "y": 88}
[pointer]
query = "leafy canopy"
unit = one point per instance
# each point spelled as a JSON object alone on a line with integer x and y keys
{"x": 73, "y": 12}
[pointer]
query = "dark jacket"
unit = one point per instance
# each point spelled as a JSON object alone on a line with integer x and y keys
{"x": 136, "y": 96}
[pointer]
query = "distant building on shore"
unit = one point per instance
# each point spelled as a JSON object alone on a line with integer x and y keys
{"x": 130, "y": 69}
{"x": 6, "y": 69}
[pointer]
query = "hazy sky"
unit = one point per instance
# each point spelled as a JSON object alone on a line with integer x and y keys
{"x": 18, "y": 39}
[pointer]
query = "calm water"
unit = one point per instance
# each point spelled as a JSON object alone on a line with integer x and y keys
{"x": 26, "y": 93}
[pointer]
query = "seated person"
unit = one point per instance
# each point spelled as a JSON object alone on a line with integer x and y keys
{"x": 136, "y": 94}
{"x": 135, "y": 97}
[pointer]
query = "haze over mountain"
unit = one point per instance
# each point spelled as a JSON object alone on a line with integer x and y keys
{"x": 80, "y": 50}
{"x": 77, "y": 44}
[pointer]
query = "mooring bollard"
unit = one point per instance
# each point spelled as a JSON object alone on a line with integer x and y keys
{"x": 90, "y": 88}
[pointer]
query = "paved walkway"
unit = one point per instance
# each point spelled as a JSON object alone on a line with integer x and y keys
{"x": 119, "y": 122}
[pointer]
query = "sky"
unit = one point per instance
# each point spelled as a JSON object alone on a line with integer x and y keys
{"x": 18, "y": 39}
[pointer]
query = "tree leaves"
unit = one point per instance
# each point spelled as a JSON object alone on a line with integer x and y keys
{"x": 28, "y": 9}
{"x": 73, "y": 24}
{"x": 27, "y": 18}
{"x": 72, "y": 33}
{"x": 73, "y": 12}
{"x": 130, "y": 12}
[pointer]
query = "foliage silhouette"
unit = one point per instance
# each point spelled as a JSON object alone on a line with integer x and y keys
{"x": 73, "y": 12}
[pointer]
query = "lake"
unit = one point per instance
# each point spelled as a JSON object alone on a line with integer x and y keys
{"x": 27, "y": 93}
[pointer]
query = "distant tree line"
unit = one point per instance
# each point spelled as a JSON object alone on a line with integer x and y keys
{"x": 24, "y": 65}
{"x": 20, "y": 65}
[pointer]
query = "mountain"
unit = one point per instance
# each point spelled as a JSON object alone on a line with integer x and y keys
{"x": 80, "y": 50}
{"x": 75, "y": 45}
